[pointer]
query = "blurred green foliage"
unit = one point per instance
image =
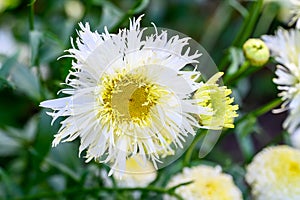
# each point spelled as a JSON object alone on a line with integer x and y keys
{"x": 30, "y": 44}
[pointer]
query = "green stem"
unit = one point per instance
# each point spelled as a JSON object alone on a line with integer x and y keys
{"x": 261, "y": 110}
{"x": 62, "y": 168}
{"x": 31, "y": 14}
{"x": 230, "y": 79}
{"x": 189, "y": 152}
{"x": 257, "y": 112}
{"x": 249, "y": 23}
{"x": 127, "y": 15}
{"x": 245, "y": 31}
{"x": 224, "y": 62}
{"x": 105, "y": 189}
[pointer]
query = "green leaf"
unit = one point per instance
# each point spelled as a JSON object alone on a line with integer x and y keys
{"x": 8, "y": 64}
{"x": 268, "y": 15}
{"x": 237, "y": 59}
{"x": 5, "y": 83}
{"x": 238, "y": 7}
{"x": 135, "y": 9}
{"x": 13, "y": 139}
{"x": 44, "y": 137}
{"x": 27, "y": 134}
{"x": 26, "y": 82}
{"x": 35, "y": 41}
{"x": 140, "y": 6}
{"x": 249, "y": 23}
{"x": 57, "y": 165}
{"x": 243, "y": 131}
{"x": 216, "y": 25}
{"x": 238, "y": 174}
{"x": 10, "y": 188}
{"x": 54, "y": 44}
{"x": 111, "y": 15}
{"x": 5, "y": 69}
{"x": 9, "y": 146}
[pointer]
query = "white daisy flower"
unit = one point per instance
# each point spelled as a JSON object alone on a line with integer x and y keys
{"x": 209, "y": 183}
{"x": 274, "y": 174}
{"x": 285, "y": 47}
{"x": 295, "y": 139}
{"x": 128, "y": 95}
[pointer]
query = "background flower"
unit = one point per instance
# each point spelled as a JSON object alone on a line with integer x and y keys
{"x": 295, "y": 139}
{"x": 208, "y": 183}
{"x": 285, "y": 48}
{"x": 274, "y": 173}
{"x": 284, "y": 45}
{"x": 140, "y": 173}
{"x": 31, "y": 169}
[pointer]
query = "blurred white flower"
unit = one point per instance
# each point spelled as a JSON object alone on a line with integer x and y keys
{"x": 295, "y": 11}
{"x": 285, "y": 47}
{"x": 295, "y": 139}
{"x": 209, "y": 183}
{"x": 274, "y": 174}
{"x": 74, "y": 9}
{"x": 10, "y": 46}
{"x": 139, "y": 173}
{"x": 128, "y": 95}
{"x": 289, "y": 11}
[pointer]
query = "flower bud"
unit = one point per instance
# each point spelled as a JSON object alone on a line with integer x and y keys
{"x": 218, "y": 99}
{"x": 256, "y": 52}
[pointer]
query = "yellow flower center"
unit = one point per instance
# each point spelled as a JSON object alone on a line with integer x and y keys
{"x": 131, "y": 101}
{"x": 286, "y": 166}
{"x": 216, "y": 188}
{"x": 129, "y": 97}
{"x": 294, "y": 168}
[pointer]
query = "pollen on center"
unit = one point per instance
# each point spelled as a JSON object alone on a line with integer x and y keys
{"x": 131, "y": 101}
{"x": 129, "y": 97}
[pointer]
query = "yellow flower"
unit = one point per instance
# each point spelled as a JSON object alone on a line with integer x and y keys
{"x": 275, "y": 174}
{"x": 217, "y": 99}
{"x": 209, "y": 183}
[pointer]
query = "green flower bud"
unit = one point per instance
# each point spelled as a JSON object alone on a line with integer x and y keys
{"x": 256, "y": 51}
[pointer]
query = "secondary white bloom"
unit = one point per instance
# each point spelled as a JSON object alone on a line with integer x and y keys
{"x": 274, "y": 174}
{"x": 74, "y": 9}
{"x": 128, "y": 95}
{"x": 295, "y": 11}
{"x": 285, "y": 47}
{"x": 209, "y": 183}
{"x": 289, "y": 11}
{"x": 140, "y": 174}
{"x": 295, "y": 139}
